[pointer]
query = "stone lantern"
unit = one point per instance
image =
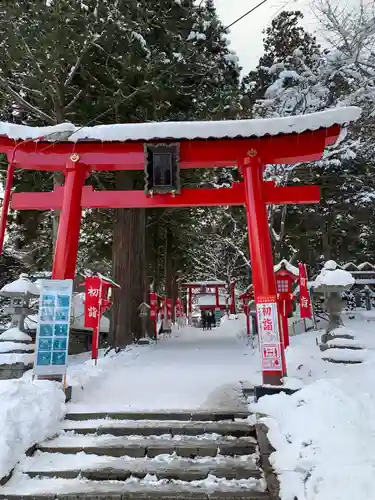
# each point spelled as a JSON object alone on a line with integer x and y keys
{"x": 16, "y": 350}
{"x": 20, "y": 292}
{"x": 332, "y": 282}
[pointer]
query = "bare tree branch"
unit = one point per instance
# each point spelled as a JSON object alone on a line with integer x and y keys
{"x": 86, "y": 47}
{"x": 26, "y": 105}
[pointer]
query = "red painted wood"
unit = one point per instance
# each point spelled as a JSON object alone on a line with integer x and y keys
{"x": 210, "y": 153}
{"x": 64, "y": 263}
{"x": 6, "y": 203}
{"x": 284, "y": 324}
{"x": 191, "y": 285}
{"x": 263, "y": 277}
{"x": 253, "y": 154}
{"x": 187, "y": 198}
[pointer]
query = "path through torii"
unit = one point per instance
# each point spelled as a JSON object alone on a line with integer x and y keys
{"x": 247, "y": 144}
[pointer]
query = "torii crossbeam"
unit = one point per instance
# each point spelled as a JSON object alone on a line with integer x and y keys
{"x": 247, "y": 144}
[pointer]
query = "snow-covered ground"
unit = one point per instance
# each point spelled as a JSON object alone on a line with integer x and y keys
{"x": 30, "y": 412}
{"x": 191, "y": 369}
{"x": 324, "y": 434}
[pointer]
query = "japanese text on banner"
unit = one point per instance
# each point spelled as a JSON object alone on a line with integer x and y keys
{"x": 305, "y": 302}
{"x": 269, "y": 335}
{"x": 92, "y": 301}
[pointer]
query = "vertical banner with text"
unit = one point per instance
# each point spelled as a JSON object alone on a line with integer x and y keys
{"x": 93, "y": 292}
{"x": 153, "y": 306}
{"x": 269, "y": 334}
{"x": 304, "y": 295}
{"x": 52, "y": 334}
{"x": 92, "y": 298}
{"x": 168, "y": 303}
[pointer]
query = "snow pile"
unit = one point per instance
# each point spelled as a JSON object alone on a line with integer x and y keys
{"x": 345, "y": 355}
{"x": 15, "y": 346}
{"x": 15, "y": 334}
{"x": 331, "y": 276}
{"x": 324, "y": 435}
{"x": 22, "y": 285}
{"x": 342, "y": 332}
{"x": 30, "y": 412}
{"x": 325, "y": 439}
{"x": 342, "y": 342}
{"x": 83, "y": 373}
{"x": 14, "y": 358}
{"x": 185, "y": 130}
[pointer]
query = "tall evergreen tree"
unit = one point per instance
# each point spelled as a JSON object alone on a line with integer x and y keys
{"x": 282, "y": 38}
{"x": 305, "y": 84}
{"x": 110, "y": 62}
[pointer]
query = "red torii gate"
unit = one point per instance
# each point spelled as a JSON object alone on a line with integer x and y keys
{"x": 201, "y": 288}
{"x": 248, "y": 144}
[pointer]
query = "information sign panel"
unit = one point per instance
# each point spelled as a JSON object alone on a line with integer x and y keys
{"x": 52, "y": 336}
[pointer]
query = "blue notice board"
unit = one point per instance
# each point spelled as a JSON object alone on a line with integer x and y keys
{"x": 52, "y": 336}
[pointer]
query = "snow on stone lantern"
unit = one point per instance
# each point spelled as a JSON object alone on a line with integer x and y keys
{"x": 20, "y": 292}
{"x": 332, "y": 282}
{"x": 16, "y": 350}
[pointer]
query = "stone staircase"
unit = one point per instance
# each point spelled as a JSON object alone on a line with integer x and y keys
{"x": 16, "y": 357}
{"x": 170, "y": 455}
{"x": 340, "y": 346}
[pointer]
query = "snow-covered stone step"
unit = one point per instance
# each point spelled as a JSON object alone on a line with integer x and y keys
{"x": 11, "y": 359}
{"x": 339, "y": 342}
{"x": 169, "y": 467}
{"x": 21, "y": 487}
{"x": 151, "y": 447}
{"x": 196, "y": 415}
{"x": 15, "y": 335}
{"x": 149, "y": 428}
{"x": 344, "y": 356}
{"x": 16, "y": 347}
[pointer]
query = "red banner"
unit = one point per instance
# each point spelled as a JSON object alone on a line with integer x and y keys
{"x": 272, "y": 358}
{"x": 168, "y": 303}
{"x": 304, "y": 296}
{"x": 153, "y": 305}
{"x": 92, "y": 298}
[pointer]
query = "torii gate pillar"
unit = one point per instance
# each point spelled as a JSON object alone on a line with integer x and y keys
{"x": 64, "y": 263}
{"x": 263, "y": 276}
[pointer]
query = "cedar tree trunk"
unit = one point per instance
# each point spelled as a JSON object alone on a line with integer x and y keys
{"x": 128, "y": 262}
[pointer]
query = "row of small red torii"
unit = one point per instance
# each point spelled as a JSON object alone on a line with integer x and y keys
{"x": 249, "y": 145}
{"x": 97, "y": 302}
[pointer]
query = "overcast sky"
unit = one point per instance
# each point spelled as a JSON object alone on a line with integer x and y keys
{"x": 246, "y": 35}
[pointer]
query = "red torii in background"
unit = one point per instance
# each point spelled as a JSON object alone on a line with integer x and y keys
{"x": 204, "y": 287}
{"x": 247, "y": 144}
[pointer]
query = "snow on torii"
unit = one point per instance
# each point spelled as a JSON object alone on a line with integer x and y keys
{"x": 248, "y": 144}
{"x": 231, "y": 129}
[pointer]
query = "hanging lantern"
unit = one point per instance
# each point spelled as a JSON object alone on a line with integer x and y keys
{"x": 162, "y": 168}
